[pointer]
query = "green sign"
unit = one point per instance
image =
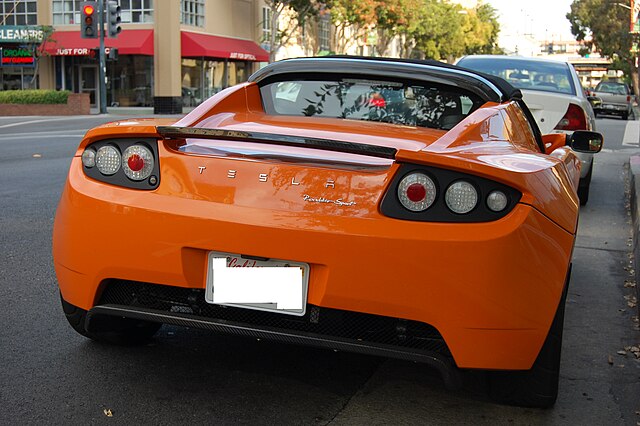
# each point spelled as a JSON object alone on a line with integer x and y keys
{"x": 21, "y": 34}
{"x": 18, "y": 57}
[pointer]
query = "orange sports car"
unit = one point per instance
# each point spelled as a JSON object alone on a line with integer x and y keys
{"x": 406, "y": 209}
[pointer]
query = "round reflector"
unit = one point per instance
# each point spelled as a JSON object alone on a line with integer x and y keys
{"x": 137, "y": 162}
{"x": 108, "y": 160}
{"x": 89, "y": 158}
{"x": 461, "y": 197}
{"x": 497, "y": 201}
{"x": 416, "y": 192}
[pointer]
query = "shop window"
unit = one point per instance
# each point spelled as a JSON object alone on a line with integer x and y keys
{"x": 16, "y": 12}
{"x": 130, "y": 81}
{"x": 136, "y": 11}
{"x": 192, "y": 12}
{"x": 19, "y": 78}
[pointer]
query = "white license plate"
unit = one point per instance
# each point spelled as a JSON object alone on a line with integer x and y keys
{"x": 265, "y": 285}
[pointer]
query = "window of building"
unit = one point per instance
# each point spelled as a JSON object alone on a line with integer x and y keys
{"x": 137, "y": 11}
{"x": 324, "y": 33}
{"x": 15, "y": 12}
{"x": 68, "y": 11}
{"x": 193, "y": 12}
{"x": 266, "y": 27}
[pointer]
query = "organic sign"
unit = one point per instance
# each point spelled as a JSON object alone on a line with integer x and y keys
{"x": 19, "y": 56}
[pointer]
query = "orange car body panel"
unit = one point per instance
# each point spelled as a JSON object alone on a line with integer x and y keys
{"x": 492, "y": 307}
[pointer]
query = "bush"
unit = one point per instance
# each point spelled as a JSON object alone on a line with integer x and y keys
{"x": 34, "y": 96}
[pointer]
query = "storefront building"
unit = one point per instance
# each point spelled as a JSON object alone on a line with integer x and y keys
{"x": 170, "y": 53}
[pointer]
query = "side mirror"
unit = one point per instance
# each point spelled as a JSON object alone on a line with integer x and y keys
{"x": 585, "y": 141}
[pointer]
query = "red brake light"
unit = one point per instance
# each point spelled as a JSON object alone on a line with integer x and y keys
{"x": 628, "y": 98}
{"x": 574, "y": 119}
{"x": 88, "y": 10}
{"x": 416, "y": 192}
{"x": 135, "y": 163}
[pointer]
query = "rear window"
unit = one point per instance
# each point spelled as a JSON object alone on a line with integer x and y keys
{"x": 523, "y": 74}
{"x": 612, "y": 88}
{"x": 405, "y": 103}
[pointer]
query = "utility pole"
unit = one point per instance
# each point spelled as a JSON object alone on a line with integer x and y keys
{"x": 102, "y": 71}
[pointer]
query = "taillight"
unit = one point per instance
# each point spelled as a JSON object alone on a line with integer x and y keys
{"x": 108, "y": 160}
{"x": 137, "y": 162}
{"x": 461, "y": 197}
{"x": 628, "y": 98}
{"x": 417, "y": 192}
{"x": 574, "y": 119}
{"x": 432, "y": 194}
{"x": 130, "y": 163}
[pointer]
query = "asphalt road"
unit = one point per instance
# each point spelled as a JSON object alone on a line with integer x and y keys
{"x": 51, "y": 375}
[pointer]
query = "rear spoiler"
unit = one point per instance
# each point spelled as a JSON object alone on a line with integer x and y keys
{"x": 172, "y": 132}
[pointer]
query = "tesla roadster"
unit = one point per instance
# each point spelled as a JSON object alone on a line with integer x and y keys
{"x": 404, "y": 209}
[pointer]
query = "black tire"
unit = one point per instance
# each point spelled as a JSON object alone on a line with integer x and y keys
{"x": 584, "y": 185}
{"x": 107, "y": 329}
{"x": 625, "y": 115}
{"x": 537, "y": 387}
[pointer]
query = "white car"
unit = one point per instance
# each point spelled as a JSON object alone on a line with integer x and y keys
{"x": 552, "y": 91}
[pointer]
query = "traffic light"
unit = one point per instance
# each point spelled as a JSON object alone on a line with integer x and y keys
{"x": 89, "y": 21}
{"x": 113, "y": 18}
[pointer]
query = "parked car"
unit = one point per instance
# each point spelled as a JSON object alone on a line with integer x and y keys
{"x": 405, "y": 209}
{"x": 553, "y": 92}
{"x": 616, "y": 98}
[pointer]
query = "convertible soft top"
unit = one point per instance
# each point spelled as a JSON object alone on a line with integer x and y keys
{"x": 488, "y": 87}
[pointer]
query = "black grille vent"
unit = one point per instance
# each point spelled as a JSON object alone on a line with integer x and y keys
{"x": 320, "y": 321}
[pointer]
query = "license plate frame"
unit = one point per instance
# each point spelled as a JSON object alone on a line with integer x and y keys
{"x": 236, "y": 260}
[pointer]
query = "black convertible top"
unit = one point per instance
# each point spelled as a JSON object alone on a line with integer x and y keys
{"x": 488, "y": 87}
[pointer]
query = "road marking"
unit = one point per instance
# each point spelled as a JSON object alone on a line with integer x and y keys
{"x": 631, "y": 133}
{"x": 39, "y": 136}
{"x": 75, "y": 117}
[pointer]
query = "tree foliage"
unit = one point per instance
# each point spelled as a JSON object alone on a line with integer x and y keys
{"x": 604, "y": 25}
{"x": 436, "y": 29}
{"x": 282, "y": 31}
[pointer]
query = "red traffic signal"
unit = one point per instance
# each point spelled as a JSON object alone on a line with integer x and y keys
{"x": 89, "y": 22}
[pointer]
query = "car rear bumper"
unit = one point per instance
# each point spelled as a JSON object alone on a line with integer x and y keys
{"x": 490, "y": 289}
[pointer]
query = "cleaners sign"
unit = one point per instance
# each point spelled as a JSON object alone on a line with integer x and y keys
{"x": 18, "y": 57}
{"x": 21, "y": 34}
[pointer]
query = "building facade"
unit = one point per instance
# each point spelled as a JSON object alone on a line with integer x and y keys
{"x": 170, "y": 53}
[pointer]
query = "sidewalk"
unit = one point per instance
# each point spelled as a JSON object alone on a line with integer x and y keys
{"x": 134, "y": 111}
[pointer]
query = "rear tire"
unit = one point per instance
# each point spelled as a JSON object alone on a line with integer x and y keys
{"x": 537, "y": 387}
{"x": 107, "y": 329}
{"x": 625, "y": 115}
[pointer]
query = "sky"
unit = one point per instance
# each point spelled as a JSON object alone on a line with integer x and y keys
{"x": 543, "y": 19}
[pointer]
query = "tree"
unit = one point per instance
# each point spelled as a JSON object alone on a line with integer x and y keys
{"x": 482, "y": 29}
{"x": 604, "y": 25}
{"x": 351, "y": 18}
{"x": 283, "y": 30}
{"x": 36, "y": 43}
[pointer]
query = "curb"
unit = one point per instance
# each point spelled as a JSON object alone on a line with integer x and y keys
{"x": 634, "y": 170}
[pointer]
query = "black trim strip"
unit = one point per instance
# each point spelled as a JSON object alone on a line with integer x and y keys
{"x": 450, "y": 373}
{"x": 274, "y": 139}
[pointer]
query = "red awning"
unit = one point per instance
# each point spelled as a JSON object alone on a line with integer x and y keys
{"x": 129, "y": 42}
{"x": 196, "y": 45}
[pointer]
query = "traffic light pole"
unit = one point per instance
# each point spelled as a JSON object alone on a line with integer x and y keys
{"x": 102, "y": 71}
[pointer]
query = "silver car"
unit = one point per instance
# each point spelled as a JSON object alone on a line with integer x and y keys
{"x": 552, "y": 91}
